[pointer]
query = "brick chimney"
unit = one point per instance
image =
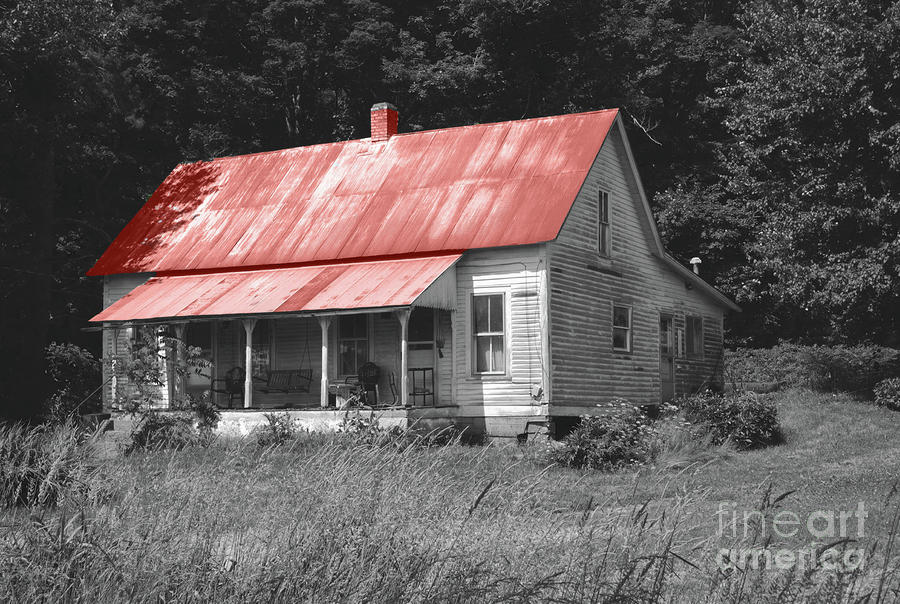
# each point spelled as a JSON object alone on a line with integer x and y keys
{"x": 384, "y": 121}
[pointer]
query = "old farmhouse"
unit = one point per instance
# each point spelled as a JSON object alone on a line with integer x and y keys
{"x": 496, "y": 275}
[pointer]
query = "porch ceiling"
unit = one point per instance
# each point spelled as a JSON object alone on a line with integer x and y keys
{"x": 311, "y": 288}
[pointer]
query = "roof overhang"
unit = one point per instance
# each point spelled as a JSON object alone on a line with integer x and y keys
{"x": 311, "y": 289}
{"x": 695, "y": 279}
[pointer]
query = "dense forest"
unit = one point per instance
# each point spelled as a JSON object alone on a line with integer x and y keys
{"x": 767, "y": 132}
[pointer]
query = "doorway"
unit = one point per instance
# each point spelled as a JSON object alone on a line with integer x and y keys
{"x": 421, "y": 350}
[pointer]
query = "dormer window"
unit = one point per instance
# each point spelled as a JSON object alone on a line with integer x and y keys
{"x": 603, "y": 235}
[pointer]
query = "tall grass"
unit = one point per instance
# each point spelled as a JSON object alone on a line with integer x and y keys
{"x": 44, "y": 464}
{"x": 330, "y": 519}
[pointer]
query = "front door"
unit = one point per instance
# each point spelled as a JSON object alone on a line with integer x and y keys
{"x": 421, "y": 357}
{"x": 666, "y": 358}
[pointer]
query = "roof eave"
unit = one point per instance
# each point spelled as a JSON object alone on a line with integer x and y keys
{"x": 696, "y": 279}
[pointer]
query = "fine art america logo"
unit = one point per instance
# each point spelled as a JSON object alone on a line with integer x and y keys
{"x": 827, "y": 534}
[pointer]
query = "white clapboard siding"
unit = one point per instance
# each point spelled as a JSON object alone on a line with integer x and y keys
{"x": 518, "y": 273}
{"x": 584, "y": 286}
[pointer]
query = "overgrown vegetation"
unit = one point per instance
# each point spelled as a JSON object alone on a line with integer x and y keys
{"x": 622, "y": 435}
{"x": 75, "y": 375}
{"x": 332, "y": 518}
{"x": 887, "y": 394}
{"x": 164, "y": 431}
{"x": 45, "y": 465}
{"x": 278, "y": 430}
{"x": 854, "y": 369}
{"x": 157, "y": 364}
{"x": 745, "y": 420}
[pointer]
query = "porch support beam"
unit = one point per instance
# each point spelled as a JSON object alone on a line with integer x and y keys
{"x": 178, "y": 356}
{"x": 403, "y": 316}
{"x": 324, "y": 323}
{"x": 453, "y": 380}
{"x": 249, "y": 324}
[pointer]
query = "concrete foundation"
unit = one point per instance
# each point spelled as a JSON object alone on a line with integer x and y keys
{"x": 236, "y": 422}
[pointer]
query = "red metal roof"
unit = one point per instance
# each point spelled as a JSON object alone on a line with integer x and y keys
{"x": 376, "y": 284}
{"x": 509, "y": 183}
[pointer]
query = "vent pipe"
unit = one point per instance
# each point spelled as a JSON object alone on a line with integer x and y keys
{"x": 695, "y": 263}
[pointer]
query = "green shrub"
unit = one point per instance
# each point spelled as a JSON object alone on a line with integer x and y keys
{"x": 785, "y": 364}
{"x": 277, "y": 430}
{"x": 887, "y": 393}
{"x": 43, "y": 464}
{"x": 164, "y": 431}
{"x": 368, "y": 430}
{"x": 746, "y": 420}
{"x": 607, "y": 442}
{"x": 854, "y": 369}
{"x": 76, "y": 376}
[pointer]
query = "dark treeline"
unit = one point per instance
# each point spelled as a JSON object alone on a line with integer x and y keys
{"x": 767, "y": 133}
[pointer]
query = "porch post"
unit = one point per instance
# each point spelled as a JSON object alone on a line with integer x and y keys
{"x": 453, "y": 384}
{"x": 324, "y": 323}
{"x": 249, "y": 324}
{"x": 114, "y": 380}
{"x": 178, "y": 352}
{"x": 403, "y": 316}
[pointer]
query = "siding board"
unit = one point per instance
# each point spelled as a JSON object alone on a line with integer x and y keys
{"x": 518, "y": 273}
{"x": 584, "y": 286}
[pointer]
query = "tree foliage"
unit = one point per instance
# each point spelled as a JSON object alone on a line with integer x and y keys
{"x": 806, "y": 210}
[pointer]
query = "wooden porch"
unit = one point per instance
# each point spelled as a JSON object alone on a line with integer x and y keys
{"x": 412, "y": 349}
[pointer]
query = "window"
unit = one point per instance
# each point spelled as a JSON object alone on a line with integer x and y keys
{"x": 353, "y": 334}
{"x": 694, "y": 336}
{"x": 488, "y": 334}
{"x": 622, "y": 328}
{"x": 421, "y": 329}
{"x": 603, "y": 241}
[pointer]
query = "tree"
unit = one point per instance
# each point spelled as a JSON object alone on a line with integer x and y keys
{"x": 52, "y": 80}
{"x": 815, "y": 119}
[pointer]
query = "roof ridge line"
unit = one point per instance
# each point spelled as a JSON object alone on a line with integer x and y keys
{"x": 353, "y": 140}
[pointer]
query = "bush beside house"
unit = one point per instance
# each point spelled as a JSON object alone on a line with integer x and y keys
{"x": 626, "y": 436}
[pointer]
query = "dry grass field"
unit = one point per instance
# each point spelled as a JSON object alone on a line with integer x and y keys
{"x": 326, "y": 518}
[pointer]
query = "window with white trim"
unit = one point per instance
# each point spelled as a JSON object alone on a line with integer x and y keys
{"x": 488, "y": 334}
{"x": 621, "y": 328}
{"x": 603, "y": 224}
{"x": 693, "y": 336}
{"x": 353, "y": 342}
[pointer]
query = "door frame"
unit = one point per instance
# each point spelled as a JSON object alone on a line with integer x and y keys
{"x": 663, "y": 316}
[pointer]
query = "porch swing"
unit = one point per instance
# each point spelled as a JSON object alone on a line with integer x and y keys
{"x": 290, "y": 380}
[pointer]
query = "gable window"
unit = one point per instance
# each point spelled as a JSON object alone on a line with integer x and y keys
{"x": 353, "y": 343}
{"x": 488, "y": 334}
{"x": 693, "y": 336}
{"x": 603, "y": 241}
{"x": 621, "y": 328}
